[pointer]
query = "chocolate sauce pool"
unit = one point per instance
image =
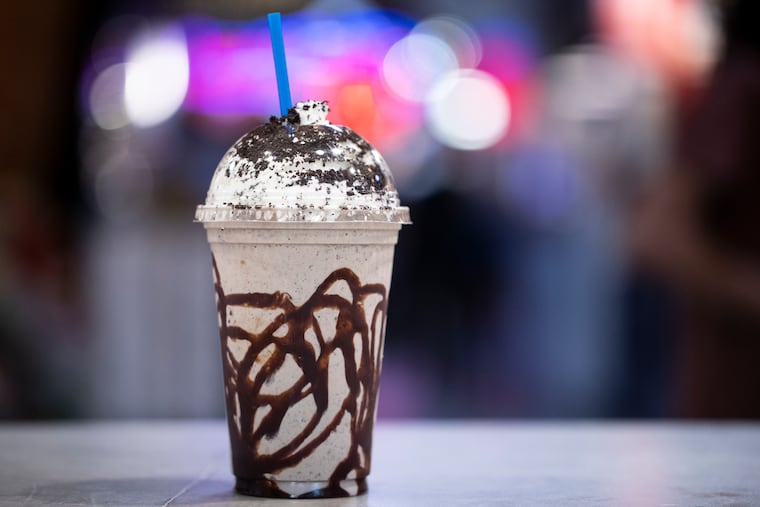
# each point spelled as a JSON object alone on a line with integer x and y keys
{"x": 252, "y": 468}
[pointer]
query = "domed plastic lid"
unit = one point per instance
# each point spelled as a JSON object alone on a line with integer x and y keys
{"x": 302, "y": 168}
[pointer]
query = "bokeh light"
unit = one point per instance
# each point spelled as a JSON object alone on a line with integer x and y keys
{"x": 106, "y": 98}
{"x": 415, "y": 64}
{"x": 461, "y": 38}
{"x": 678, "y": 38}
{"x": 468, "y": 110}
{"x": 358, "y": 106}
{"x": 157, "y": 76}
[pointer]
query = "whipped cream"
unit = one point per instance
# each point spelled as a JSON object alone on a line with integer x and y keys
{"x": 301, "y": 167}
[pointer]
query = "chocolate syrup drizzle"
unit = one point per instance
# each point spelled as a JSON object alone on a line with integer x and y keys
{"x": 249, "y": 464}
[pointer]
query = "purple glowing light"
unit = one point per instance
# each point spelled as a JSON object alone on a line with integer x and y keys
{"x": 231, "y": 70}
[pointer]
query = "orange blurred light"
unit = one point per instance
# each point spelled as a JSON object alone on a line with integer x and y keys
{"x": 355, "y": 107}
{"x": 675, "y": 38}
{"x": 369, "y": 110}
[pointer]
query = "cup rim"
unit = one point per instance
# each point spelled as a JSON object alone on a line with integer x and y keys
{"x": 234, "y": 214}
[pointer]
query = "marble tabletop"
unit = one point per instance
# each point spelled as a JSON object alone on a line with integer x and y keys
{"x": 426, "y": 463}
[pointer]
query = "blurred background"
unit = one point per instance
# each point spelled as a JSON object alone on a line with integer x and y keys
{"x": 581, "y": 176}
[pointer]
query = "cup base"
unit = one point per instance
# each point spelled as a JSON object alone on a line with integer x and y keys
{"x": 272, "y": 488}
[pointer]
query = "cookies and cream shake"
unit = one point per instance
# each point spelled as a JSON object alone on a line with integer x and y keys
{"x": 302, "y": 218}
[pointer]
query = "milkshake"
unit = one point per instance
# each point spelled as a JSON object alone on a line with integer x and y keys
{"x": 302, "y": 218}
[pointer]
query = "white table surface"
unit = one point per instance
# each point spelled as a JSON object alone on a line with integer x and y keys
{"x": 414, "y": 464}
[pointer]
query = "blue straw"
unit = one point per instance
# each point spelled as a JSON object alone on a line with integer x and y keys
{"x": 280, "y": 67}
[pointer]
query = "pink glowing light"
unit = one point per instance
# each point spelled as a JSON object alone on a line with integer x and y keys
{"x": 676, "y": 38}
{"x": 509, "y": 55}
{"x": 231, "y": 64}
